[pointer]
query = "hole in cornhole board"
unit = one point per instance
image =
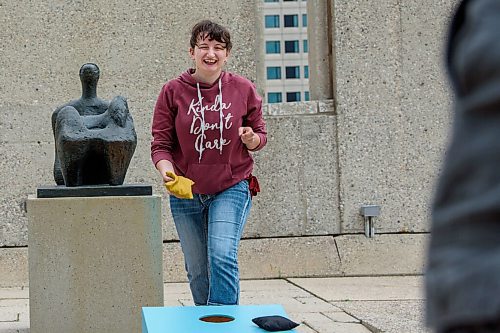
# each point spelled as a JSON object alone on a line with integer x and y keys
{"x": 217, "y": 319}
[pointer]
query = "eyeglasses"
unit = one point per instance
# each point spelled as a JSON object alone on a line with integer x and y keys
{"x": 206, "y": 48}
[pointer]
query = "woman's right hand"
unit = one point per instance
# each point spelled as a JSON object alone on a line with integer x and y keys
{"x": 163, "y": 166}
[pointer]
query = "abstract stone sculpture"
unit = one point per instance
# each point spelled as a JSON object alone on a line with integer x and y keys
{"x": 94, "y": 139}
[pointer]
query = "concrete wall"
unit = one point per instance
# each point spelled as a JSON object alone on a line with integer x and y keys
{"x": 392, "y": 102}
{"x": 379, "y": 141}
{"x": 137, "y": 45}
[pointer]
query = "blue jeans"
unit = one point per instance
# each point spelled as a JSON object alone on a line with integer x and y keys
{"x": 210, "y": 228}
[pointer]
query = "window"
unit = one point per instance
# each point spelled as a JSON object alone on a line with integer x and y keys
{"x": 293, "y": 96}
{"x": 274, "y": 97}
{"x": 291, "y": 46}
{"x": 272, "y": 21}
{"x": 291, "y": 21}
{"x": 305, "y": 46}
{"x": 306, "y": 95}
{"x": 271, "y": 0}
{"x": 292, "y": 72}
{"x": 304, "y": 20}
{"x": 273, "y": 73}
{"x": 306, "y": 72}
{"x": 273, "y": 46}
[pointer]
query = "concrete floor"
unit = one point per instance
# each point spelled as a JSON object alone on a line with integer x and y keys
{"x": 324, "y": 305}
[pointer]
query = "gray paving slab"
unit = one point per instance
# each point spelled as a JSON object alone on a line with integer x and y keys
{"x": 305, "y": 329}
{"x": 14, "y": 293}
{"x": 9, "y": 316}
{"x": 291, "y": 304}
{"x": 16, "y": 327}
{"x": 170, "y": 290}
{"x": 14, "y": 310}
{"x": 364, "y": 288}
{"x": 267, "y": 285}
{"x": 186, "y": 302}
{"x": 321, "y": 323}
{"x": 388, "y": 316}
{"x": 174, "y": 302}
{"x": 314, "y": 304}
{"x": 176, "y": 294}
{"x": 262, "y": 288}
{"x": 338, "y": 317}
{"x": 297, "y": 292}
{"x": 14, "y": 303}
{"x": 341, "y": 317}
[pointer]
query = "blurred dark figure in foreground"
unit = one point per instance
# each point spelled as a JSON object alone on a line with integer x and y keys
{"x": 463, "y": 272}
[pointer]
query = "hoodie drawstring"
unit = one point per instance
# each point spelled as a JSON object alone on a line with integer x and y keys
{"x": 221, "y": 115}
{"x": 202, "y": 120}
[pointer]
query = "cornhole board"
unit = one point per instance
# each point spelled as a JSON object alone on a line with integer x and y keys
{"x": 188, "y": 319}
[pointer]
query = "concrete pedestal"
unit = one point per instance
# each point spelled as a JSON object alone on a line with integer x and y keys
{"x": 94, "y": 262}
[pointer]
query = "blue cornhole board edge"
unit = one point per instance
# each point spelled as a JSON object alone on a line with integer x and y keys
{"x": 185, "y": 319}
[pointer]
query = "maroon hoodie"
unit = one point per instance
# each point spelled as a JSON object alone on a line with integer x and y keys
{"x": 195, "y": 126}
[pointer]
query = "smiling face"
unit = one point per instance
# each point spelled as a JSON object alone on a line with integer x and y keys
{"x": 210, "y": 57}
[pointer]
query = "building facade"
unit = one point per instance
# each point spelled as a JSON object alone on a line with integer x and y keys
{"x": 286, "y": 51}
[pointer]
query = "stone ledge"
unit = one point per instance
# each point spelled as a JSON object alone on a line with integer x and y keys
{"x": 389, "y": 254}
{"x": 385, "y": 254}
{"x": 298, "y": 108}
{"x": 268, "y": 258}
{"x": 320, "y": 256}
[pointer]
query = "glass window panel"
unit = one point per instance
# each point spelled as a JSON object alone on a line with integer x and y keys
{"x": 306, "y": 95}
{"x": 293, "y": 96}
{"x": 273, "y": 73}
{"x": 305, "y": 46}
{"x": 272, "y": 21}
{"x": 291, "y": 21}
{"x": 273, "y": 46}
{"x": 292, "y": 72}
{"x": 306, "y": 72}
{"x": 274, "y": 97}
{"x": 304, "y": 20}
{"x": 291, "y": 46}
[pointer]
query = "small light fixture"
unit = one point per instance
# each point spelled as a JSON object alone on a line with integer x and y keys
{"x": 370, "y": 212}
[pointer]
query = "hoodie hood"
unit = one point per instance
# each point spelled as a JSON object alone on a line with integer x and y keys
{"x": 187, "y": 78}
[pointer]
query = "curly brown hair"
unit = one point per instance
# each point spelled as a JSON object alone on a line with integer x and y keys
{"x": 211, "y": 30}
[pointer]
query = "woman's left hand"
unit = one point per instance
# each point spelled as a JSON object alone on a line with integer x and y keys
{"x": 248, "y": 137}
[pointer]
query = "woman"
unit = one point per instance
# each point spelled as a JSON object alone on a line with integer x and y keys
{"x": 204, "y": 125}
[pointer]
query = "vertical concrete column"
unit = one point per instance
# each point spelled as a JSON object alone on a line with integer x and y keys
{"x": 259, "y": 50}
{"x": 93, "y": 263}
{"x": 320, "y": 36}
